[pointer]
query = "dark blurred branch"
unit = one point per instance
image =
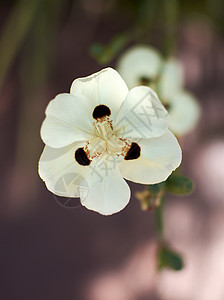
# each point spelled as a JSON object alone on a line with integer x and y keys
{"x": 171, "y": 13}
{"x": 14, "y": 33}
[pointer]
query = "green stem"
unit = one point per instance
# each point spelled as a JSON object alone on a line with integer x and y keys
{"x": 144, "y": 21}
{"x": 159, "y": 219}
{"x": 171, "y": 8}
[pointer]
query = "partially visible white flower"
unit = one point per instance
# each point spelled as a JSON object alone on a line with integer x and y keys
{"x": 101, "y": 132}
{"x": 143, "y": 65}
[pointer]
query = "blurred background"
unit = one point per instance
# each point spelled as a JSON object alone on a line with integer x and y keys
{"x": 50, "y": 251}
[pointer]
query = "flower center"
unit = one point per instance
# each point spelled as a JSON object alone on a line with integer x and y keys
{"x": 105, "y": 141}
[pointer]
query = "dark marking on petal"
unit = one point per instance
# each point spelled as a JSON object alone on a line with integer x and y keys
{"x": 145, "y": 80}
{"x": 134, "y": 152}
{"x": 101, "y": 111}
{"x": 81, "y": 157}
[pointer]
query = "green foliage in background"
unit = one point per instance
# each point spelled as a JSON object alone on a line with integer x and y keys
{"x": 178, "y": 184}
{"x": 146, "y": 16}
{"x": 168, "y": 258}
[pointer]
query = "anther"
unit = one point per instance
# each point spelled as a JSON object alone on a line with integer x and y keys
{"x": 101, "y": 111}
{"x": 133, "y": 152}
{"x": 81, "y": 157}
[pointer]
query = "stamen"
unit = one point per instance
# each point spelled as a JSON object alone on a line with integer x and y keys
{"x": 101, "y": 111}
{"x": 104, "y": 127}
{"x": 81, "y": 157}
{"x": 134, "y": 152}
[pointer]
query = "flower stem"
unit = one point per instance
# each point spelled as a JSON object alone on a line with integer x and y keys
{"x": 159, "y": 219}
{"x": 171, "y": 15}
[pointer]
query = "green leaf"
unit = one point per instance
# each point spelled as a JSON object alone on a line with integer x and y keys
{"x": 156, "y": 188}
{"x": 98, "y": 51}
{"x": 105, "y": 53}
{"x": 117, "y": 43}
{"x": 167, "y": 258}
{"x": 178, "y": 184}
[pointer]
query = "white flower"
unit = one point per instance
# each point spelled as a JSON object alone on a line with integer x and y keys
{"x": 143, "y": 65}
{"x": 101, "y": 132}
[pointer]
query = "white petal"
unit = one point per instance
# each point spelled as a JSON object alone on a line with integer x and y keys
{"x": 63, "y": 176}
{"x": 108, "y": 191}
{"x": 104, "y": 87}
{"x": 141, "y": 115}
{"x": 171, "y": 79}
{"x": 184, "y": 112}
{"x": 138, "y": 62}
{"x": 66, "y": 122}
{"x": 159, "y": 157}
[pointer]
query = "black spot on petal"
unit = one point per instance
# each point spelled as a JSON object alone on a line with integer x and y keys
{"x": 134, "y": 152}
{"x": 81, "y": 157}
{"x": 101, "y": 111}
